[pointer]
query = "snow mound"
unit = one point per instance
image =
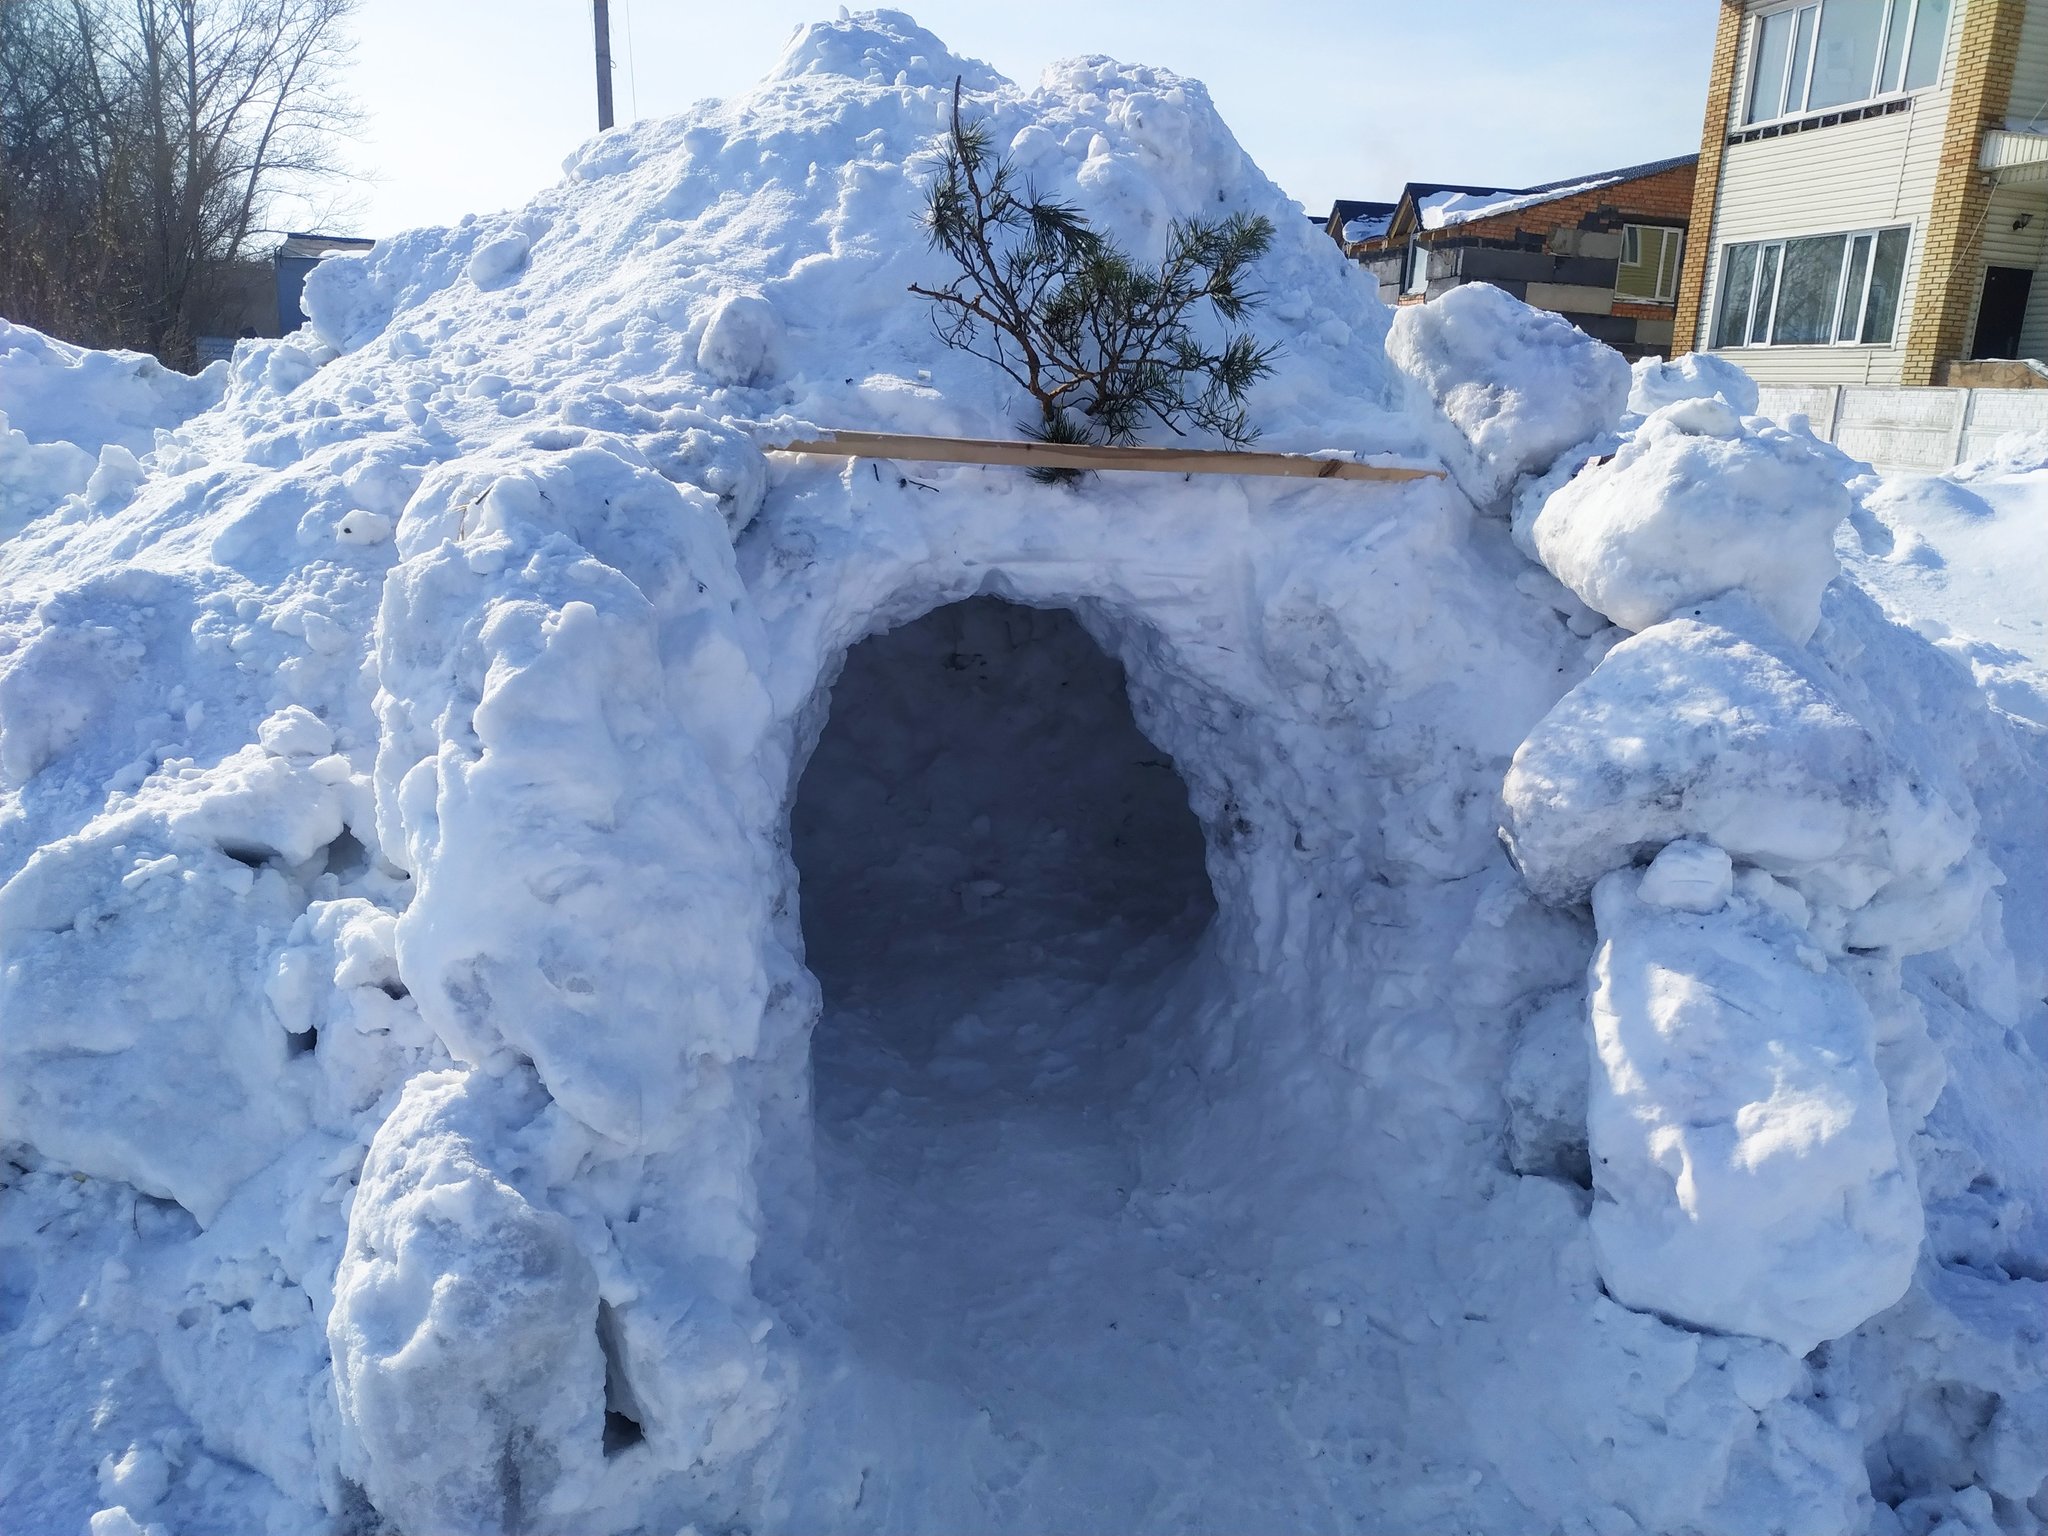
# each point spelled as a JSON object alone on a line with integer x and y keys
{"x": 1942, "y": 552}
{"x": 77, "y": 421}
{"x": 563, "y": 970}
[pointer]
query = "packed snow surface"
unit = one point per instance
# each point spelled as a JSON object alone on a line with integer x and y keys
{"x": 1958, "y": 556}
{"x": 562, "y": 972}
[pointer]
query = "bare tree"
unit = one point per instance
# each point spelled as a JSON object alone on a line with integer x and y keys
{"x": 143, "y": 144}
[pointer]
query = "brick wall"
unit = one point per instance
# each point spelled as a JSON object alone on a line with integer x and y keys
{"x": 1558, "y": 255}
{"x": 1692, "y": 276}
{"x": 1664, "y": 198}
{"x": 1946, "y": 292}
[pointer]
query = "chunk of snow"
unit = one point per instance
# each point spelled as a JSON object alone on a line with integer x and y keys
{"x": 1745, "y": 1173}
{"x": 1693, "y": 505}
{"x": 1690, "y": 875}
{"x": 116, "y": 1520}
{"x": 496, "y": 260}
{"x": 464, "y": 1326}
{"x": 1656, "y": 383}
{"x": 295, "y": 731}
{"x": 1713, "y": 726}
{"x": 1521, "y": 384}
{"x": 742, "y": 340}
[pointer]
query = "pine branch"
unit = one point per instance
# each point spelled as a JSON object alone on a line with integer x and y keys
{"x": 1100, "y": 344}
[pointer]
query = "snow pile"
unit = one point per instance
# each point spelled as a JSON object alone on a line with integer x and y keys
{"x": 74, "y": 420}
{"x": 1761, "y": 1081}
{"x": 560, "y": 971}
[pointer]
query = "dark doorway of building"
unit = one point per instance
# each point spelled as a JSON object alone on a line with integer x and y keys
{"x": 2002, "y": 311}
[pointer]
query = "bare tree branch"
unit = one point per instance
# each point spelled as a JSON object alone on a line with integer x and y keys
{"x": 143, "y": 144}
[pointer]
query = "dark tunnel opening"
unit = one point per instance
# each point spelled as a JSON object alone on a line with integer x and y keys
{"x": 982, "y": 816}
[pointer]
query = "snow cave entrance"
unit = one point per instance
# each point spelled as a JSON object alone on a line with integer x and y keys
{"x": 987, "y": 846}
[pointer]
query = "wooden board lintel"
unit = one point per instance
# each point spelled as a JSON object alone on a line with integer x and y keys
{"x": 1034, "y": 455}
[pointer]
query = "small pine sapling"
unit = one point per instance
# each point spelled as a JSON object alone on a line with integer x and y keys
{"x": 1100, "y": 344}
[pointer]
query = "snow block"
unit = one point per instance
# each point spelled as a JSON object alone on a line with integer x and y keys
{"x": 559, "y": 653}
{"x": 1744, "y": 1168}
{"x": 1521, "y": 384}
{"x": 742, "y": 340}
{"x": 1712, "y": 725}
{"x": 467, "y": 1366}
{"x": 1656, "y": 383}
{"x": 1698, "y": 503}
{"x": 133, "y": 1041}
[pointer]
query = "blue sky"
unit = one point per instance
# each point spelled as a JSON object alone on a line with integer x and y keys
{"x": 471, "y": 104}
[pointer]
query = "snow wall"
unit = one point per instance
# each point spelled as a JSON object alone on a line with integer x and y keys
{"x": 1612, "y": 1065}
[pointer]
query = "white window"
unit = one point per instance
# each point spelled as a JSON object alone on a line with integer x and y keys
{"x": 1831, "y": 53}
{"x": 1418, "y": 267}
{"x": 1813, "y": 291}
{"x": 1648, "y": 272}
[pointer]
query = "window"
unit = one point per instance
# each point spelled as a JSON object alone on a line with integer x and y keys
{"x": 1810, "y": 292}
{"x": 1418, "y": 267}
{"x": 1829, "y": 53}
{"x": 1648, "y": 271}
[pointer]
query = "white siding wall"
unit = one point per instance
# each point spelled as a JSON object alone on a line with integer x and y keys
{"x": 2029, "y": 106}
{"x": 2004, "y": 246}
{"x": 1849, "y": 176}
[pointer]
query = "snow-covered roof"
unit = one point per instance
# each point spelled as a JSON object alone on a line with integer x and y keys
{"x": 1440, "y": 205}
{"x": 1442, "y": 210}
{"x": 296, "y": 244}
{"x": 1368, "y": 226}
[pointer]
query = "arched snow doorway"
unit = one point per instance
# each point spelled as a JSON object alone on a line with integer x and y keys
{"x": 985, "y": 842}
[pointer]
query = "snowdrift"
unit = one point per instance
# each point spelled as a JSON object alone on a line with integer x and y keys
{"x": 558, "y": 973}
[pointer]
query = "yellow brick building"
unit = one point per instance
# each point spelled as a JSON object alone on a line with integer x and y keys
{"x": 1872, "y": 197}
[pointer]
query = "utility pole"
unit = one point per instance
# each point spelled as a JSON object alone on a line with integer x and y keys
{"x": 601, "y": 20}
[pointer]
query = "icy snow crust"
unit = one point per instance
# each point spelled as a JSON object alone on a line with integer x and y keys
{"x": 420, "y": 1113}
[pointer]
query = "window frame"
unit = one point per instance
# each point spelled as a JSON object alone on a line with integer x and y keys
{"x": 1668, "y": 234}
{"x": 1910, "y": 9}
{"x": 1770, "y": 253}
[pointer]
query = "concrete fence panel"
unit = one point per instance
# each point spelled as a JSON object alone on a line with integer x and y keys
{"x": 1898, "y": 428}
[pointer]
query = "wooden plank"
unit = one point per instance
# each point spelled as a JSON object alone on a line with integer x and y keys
{"x": 1033, "y": 455}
